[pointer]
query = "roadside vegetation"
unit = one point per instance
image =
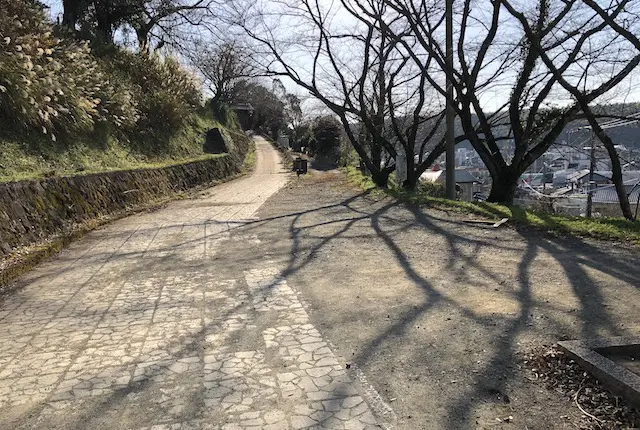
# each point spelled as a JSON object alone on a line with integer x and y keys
{"x": 556, "y": 68}
{"x": 250, "y": 159}
{"x": 427, "y": 195}
{"x": 31, "y": 156}
{"x": 73, "y": 104}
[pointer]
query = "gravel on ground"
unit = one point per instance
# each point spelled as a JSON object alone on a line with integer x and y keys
{"x": 441, "y": 315}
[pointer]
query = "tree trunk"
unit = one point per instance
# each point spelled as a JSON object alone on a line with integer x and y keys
{"x": 621, "y": 191}
{"x": 104, "y": 33}
{"x": 143, "y": 40}
{"x": 376, "y": 154}
{"x": 104, "y": 24}
{"x": 503, "y": 187}
{"x": 616, "y": 171}
{"x": 70, "y": 14}
{"x": 381, "y": 178}
{"x": 412, "y": 175}
{"x": 411, "y": 182}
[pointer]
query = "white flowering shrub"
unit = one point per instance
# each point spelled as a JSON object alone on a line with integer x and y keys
{"x": 51, "y": 84}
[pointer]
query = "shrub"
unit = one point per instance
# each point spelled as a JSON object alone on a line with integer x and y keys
{"x": 165, "y": 93}
{"x": 52, "y": 84}
{"x": 348, "y": 156}
{"x": 432, "y": 189}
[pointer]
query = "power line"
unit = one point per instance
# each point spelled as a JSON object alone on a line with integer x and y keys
{"x": 618, "y": 122}
{"x": 581, "y": 151}
{"x": 622, "y": 121}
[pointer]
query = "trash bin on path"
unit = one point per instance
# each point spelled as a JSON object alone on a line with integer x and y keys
{"x": 300, "y": 166}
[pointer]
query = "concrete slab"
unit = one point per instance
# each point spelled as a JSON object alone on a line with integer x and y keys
{"x": 595, "y": 355}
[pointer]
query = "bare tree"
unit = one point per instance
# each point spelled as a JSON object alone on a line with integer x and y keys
{"x": 496, "y": 55}
{"x": 269, "y": 114}
{"x": 292, "y": 105}
{"x": 627, "y": 57}
{"x": 224, "y": 67}
{"x": 160, "y": 20}
{"x": 359, "y": 73}
{"x": 152, "y": 20}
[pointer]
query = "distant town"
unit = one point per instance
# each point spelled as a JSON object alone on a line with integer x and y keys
{"x": 561, "y": 177}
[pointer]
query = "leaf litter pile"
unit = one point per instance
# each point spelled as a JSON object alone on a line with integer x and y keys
{"x": 600, "y": 408}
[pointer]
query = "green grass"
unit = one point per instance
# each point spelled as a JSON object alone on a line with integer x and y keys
{"x": 616, "y": 229}
{"x": 250, "y": 159}
{"x": 363, "y": 181}
{"x": 30, "y": 157}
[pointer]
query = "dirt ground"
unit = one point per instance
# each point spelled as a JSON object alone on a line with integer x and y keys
{"x": 438, "y": 313}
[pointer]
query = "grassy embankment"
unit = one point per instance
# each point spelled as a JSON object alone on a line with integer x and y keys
{"x": 616, "y": 229}
{"x": 70, "y": 106}
{"x": 35, "y": 156}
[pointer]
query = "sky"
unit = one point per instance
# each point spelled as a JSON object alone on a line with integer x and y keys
{"x": 491, "y": 99}
{"x": 55, "y": 8}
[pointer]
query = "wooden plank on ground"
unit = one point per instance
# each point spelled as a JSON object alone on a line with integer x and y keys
{"x": 489, "y": 223}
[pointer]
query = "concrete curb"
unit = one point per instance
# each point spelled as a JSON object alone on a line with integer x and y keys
{"x": 615, "y": 377}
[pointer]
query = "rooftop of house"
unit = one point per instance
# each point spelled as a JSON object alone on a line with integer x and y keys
{"x": 584, "y": 174}
{"x": 608, "y": 194}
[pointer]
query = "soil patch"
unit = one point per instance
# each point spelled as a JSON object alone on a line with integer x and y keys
{"x": 630, "y": 361}
{"x": 440, "y": 315}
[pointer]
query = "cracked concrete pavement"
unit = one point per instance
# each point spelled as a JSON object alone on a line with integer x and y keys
{"x": 162, "y": 321}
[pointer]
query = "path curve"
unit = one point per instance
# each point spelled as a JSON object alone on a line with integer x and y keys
{"x": 145, "y": 324}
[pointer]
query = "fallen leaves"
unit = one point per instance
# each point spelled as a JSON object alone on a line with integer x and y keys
{"x": 600, "y": 408}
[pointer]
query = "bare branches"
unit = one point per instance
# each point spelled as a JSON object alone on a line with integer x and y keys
{"x": 584, "y": 96}
{"x": 151, "y": 20}
{"x": 223, "y": 67}
{"x": 358, "y": 69}
{"x": 593, "y": 48}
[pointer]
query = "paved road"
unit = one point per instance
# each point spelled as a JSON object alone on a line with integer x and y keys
{"x": 146, "y": 324}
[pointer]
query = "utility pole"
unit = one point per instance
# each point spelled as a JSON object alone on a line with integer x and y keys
{"x": 592, "y": 167}
{"x": 544, "y": 172}
{"x": 450, "y": 113}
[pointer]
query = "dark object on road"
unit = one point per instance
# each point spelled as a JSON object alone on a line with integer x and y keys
{"x": 214, "y": 142}
{"x": 300, "y": 166}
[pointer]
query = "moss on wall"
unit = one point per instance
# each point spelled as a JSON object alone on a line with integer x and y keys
{"x": 39, "y": 217}
{"x": 31, "y": 211}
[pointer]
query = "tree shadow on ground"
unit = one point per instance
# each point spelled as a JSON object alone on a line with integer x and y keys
{"x": 383, "y": 221}
{"x": 573, "y": 255}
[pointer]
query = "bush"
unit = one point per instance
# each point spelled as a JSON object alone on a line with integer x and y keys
{"x": 432, "y": 189}
{"x": 348, "y": 155}
{"x": 56, "y": 85}
{"x": 51, "y": 84}
{"x": 327, "y": 133}
{"x": 165, "y": 93}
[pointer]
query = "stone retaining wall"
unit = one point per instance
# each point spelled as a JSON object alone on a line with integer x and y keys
{"x": 32, "y": 211}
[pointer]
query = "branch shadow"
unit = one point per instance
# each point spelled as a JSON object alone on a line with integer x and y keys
{"x": 382, "y": 222}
